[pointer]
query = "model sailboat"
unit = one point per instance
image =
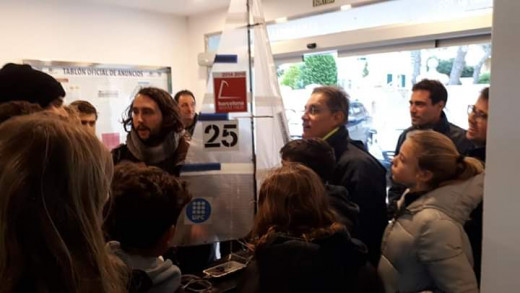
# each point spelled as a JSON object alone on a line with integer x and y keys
{"x": 239, "y": 133}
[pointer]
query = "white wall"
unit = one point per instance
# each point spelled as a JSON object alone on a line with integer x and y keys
{"x": 67, "y": 31}
{"x": 198, "y": 26}
{"x": 501, "y": 257}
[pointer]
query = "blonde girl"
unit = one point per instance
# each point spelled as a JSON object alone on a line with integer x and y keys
{"x": 425, "y": 247}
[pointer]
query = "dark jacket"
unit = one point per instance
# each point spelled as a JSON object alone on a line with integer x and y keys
{"x": 190, "y": 128}
{"x": 364, "y": 178}
{"x": 346, "y": 210}
{"x": 473, "y": 226}
{"x": 455, "y": 133}
{"x": 329, "y": 264}
{"x": 478, "y": 153}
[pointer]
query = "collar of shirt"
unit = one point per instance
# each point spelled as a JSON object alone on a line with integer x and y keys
{"x": 331, "y": 133}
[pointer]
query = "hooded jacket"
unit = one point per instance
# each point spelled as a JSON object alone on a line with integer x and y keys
{"x": 425, "y": 246}
{"x": 333, "y": 263}
{"x": 166, "y": 277}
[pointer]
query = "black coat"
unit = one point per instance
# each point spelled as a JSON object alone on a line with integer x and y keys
{"x": 473, "y": 226}
{"x": 190, "y": 128}
{"x": 365, "y": 179}
{"x": 455, "y": 133}
{"x": 345, "y": 209}
{"x": 330, "y": 264}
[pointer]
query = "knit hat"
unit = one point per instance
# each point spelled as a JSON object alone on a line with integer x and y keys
{"x": 23, "y": 83}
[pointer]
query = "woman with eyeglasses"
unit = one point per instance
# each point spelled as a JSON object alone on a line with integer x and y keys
{"x": 477, "y": 133}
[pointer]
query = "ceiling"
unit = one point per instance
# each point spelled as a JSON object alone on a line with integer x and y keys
{"x": 193, "y": 7}
{"x": 177, "y": 7}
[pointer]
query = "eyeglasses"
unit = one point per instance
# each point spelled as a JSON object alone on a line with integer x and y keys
{"x": 313, "y": 110}
{"x": 478, "y": 114}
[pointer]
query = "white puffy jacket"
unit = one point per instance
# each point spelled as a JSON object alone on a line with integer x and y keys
{"x": 426, "y": 248}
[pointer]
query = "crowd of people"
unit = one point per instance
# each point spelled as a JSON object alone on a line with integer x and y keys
{"x": 76, "y": 217}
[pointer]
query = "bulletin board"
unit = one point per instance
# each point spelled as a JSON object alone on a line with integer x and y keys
{"x": 110, "y": 88}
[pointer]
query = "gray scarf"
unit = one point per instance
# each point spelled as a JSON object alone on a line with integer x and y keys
{"x": 153, "y": 154}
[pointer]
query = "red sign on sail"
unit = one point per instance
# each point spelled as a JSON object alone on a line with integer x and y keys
{"x": 230, "y": 92}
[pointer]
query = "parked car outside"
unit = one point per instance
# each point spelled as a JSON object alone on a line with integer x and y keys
{"x": 359, "y": 123}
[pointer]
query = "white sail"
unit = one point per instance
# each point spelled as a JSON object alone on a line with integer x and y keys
{"x": 228, "y": 149}
{"x": 271, "y": 133}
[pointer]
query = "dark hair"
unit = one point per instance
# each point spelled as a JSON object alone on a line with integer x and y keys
{"x": 438, "y": 154}
{"x": 183, "y": 93}
{"x": 84, "y": 107}
{"x": 20, "y": 82}
{"x": 484, "y": 94}
{"x": 314, "y": 153}
{"x": 337, "y": 99}
{"x": 17, "y": 108}
{"x": 293, "y": 200}
{"x": 169, "y": 109}
{"x": 146, "y": 202}
{"x": 436, "y": 89}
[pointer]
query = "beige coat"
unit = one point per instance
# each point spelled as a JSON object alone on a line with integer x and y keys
{"x": 426, "y": 248}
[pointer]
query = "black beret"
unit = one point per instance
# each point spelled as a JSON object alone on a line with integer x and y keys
{"x": 23, "y": 83}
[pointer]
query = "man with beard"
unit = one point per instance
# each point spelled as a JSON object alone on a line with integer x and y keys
{"x": 156, "y": 138}
{"x": 429, "y": 97}
{"x": 155, "y": 132}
